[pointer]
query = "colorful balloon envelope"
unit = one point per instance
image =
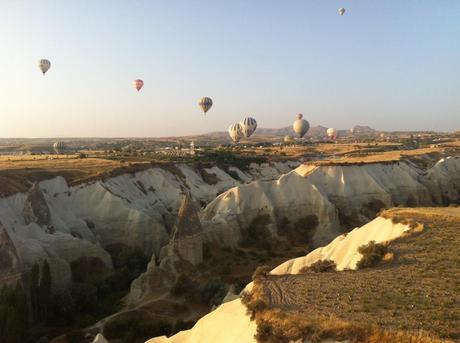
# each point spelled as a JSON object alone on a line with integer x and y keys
{"x": 138, "y": 84}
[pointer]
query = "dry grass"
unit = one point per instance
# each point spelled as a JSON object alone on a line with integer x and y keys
{"x": 412, "y": 297}
{"x": 17, "y": 174}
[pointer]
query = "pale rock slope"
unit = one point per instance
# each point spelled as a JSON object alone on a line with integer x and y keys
{"x": 292, "y": 196}
{"x": 62, "y": 223}
{"x": 230, "y": 322}
{"x": 341, "y": 196}
{"x": 343, "y": 250}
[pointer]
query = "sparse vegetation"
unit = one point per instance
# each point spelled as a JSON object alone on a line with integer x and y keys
{"x": 416, "y": 291}
{"x": 320, "y": 266}
{"x": 372, "y": 254}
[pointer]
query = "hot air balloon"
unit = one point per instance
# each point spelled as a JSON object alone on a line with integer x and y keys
{"x": 352, "y": 130}
{"x": 299, "y": 116}
{"x": 138, "y": 84}
{"x": 205, "y": 103}
{"x": 59, "y": 147}
{"x": 331, "y": 133}
{"x": 341, "y": 11}
{"x": 44, "y": 65}
{"x": 288, "y": 139}
{"x": 248, "y": 126}
{"x": 235, "y": 132}
{"x": 300, "y": 126}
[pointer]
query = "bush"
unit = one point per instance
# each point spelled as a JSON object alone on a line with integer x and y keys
{"x": 300, "y": 231}
{"x": 182, "y": 286}
{"x": 76, "y": 336}
{"x": 85, "y": 296}
{"x": 257, "y": 234}
{"x": 320, "y": 266}
{"x": 181, "y": 325}
{"x": 131, "y": 328}
{"x": 261, "y": 272}
{"x": 372, "y": 254}
{"x": 253, "y": 304}
{"x": 212, "y": 292}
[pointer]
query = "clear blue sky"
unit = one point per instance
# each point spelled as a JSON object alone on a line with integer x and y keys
{"x": 390, "y": 64}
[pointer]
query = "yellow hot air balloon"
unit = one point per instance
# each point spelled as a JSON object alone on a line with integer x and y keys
{"x": 205, "y": 103}
{"x": 300, "y": 126}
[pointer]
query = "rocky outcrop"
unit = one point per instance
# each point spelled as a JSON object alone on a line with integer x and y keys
{"x": 341, "y": 196}
{"x": 11, "y": 267}
{"x": 62, "y": 223}
{"x": 158, "y": 279}
{"x": 187, "y": 237}
{"x": 35, "y": 208}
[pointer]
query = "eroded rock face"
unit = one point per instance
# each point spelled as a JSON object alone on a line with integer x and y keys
{"x": 35, "y": 208}
{"x": 289, "y": 200}
{"x": 187, "y": 238}
{"x": 11, "y": 266}
{"x": 341, "y": 196}
{"x": 62, "y": 223}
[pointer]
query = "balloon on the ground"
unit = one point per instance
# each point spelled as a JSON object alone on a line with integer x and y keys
{"x": 59, "y": 147}
{"x": 248, "y": 126}
{"x": 205, "y": 103}
{"x": 44, "y": 65}
{"x": 138, "y": 84}
{"x": 235, "y": 132}
{"x": 288, "y": 139}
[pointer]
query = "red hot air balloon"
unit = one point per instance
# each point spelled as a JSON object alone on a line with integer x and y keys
{"x": 138, "y": 84}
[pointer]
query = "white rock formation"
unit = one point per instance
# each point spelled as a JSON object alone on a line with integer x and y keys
{"x": 344, "y": 249}
{"x": 99, "y": 339}
{"x": 62, "y": 223}
{"x": 341, "y": 196}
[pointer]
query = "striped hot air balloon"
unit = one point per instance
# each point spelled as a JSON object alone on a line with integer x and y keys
{"x": 235, "y": 132}
{"x": 44, "y": 65}
{"x": 138, "y": 84}
{"x": 248, "y": 126}
{"x": 205, "y": 103}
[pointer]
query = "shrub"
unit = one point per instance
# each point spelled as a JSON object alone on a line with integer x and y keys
{"x": 75, "y": 336}
{"x": 212, "y": 292}
{"x": 320, "y": 266}
{"x": 182, "y": 286}
{"x": 132, "y": 328}
{"x": 85, "y": 296}
{"x": 209, "y": 178}
{"x": 257, "y": 234}
{"x": 253, "y": 304}
{"x": 372, "y": 254}
{"x": 261, "y": 272}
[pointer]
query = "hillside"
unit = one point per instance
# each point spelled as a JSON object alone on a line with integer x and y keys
{"x": 410, "y": 295}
